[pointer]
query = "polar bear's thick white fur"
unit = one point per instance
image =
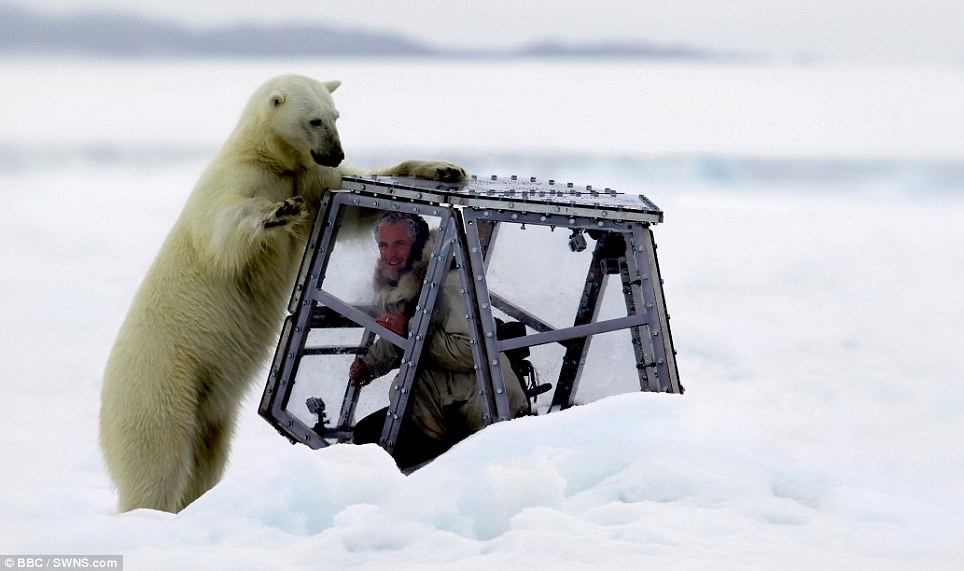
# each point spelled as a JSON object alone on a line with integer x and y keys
{"x": 208, "y": 313}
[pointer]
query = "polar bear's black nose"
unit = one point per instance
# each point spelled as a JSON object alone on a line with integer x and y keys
{"x": 331, "y": 158}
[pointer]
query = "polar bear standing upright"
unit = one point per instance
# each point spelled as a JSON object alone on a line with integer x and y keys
{"x": 209, "y": 310}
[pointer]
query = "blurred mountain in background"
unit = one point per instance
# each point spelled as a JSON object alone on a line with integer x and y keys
{"x": 114, "y": 34}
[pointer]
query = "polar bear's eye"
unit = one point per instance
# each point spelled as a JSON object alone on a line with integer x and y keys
{"x": 315, "y": 122}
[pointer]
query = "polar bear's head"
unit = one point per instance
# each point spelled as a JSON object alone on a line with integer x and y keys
{"x": 295, "y": 116}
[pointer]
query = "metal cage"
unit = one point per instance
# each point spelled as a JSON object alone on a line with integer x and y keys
{"x": 470, "y": 214}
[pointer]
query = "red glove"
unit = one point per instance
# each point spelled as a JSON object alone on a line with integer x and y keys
{"x": 394, "y": 321}
{"x": 358, "y": 373}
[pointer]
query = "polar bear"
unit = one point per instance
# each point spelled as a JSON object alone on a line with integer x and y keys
{"x": 209, "y": 310}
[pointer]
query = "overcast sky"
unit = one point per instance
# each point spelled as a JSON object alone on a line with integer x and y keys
{"x": 904, "y": 31}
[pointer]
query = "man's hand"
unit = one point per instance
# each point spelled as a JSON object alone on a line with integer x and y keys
{"x": 394, "y": 321}
{"x": 358, "y": 373}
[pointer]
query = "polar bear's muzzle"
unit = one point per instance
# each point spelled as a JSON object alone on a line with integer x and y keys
{"x": 329, "y": 158}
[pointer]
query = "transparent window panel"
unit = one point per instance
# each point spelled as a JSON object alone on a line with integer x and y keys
{"x": 533, "y": 268}
{"x": 610, "y": 367}
{"x": 334, "y": 341}
{"x": 352, "y": 258}
{"x": 536, "y": 270}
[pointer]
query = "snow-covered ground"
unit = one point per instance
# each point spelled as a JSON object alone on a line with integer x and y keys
{"x": 812, "y": 253}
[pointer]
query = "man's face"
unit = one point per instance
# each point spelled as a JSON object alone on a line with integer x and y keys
{"x": 394, "y": 248}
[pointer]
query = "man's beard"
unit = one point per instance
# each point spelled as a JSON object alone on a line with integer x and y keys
{"x": 383, "y": 268}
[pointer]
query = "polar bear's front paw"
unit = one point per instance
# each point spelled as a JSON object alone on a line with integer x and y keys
{"x": 291, "y": 210}
{"x": 443, "y": 171}
{"x": 448, "y": 172}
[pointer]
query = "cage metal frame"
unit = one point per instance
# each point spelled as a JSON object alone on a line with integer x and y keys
{"x": 470, "y": 214}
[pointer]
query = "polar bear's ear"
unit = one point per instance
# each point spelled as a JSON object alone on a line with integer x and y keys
{"x": 278, "y": 98}
{"x": 331, "y": 86}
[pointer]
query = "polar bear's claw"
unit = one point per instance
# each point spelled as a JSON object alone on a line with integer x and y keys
{"x": 442, "y": 171}
{"x": 451, "y": 173}
{"x": 288, "y": 211}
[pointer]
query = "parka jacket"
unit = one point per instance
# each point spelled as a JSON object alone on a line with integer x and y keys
{"x": 445, "y": 402}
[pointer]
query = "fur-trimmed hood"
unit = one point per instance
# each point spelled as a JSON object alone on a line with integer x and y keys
{"x": 392, "y": 298}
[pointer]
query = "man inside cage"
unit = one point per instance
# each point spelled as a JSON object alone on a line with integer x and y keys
{"x": 445, "y": 405}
